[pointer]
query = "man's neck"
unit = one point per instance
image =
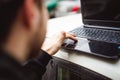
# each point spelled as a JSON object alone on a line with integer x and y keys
{"x": 17, "y": 46}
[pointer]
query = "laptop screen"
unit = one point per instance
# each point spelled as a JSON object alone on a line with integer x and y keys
{"x": 101, "y": 12}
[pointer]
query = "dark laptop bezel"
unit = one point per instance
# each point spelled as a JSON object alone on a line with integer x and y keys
{"x": 103, "y": 23}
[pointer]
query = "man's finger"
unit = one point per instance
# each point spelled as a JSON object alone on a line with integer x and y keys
{"x": 71, "y": 37}
{"x": 72, "y": 34}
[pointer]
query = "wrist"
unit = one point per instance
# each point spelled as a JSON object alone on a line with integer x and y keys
{"x": 48, "y": 51}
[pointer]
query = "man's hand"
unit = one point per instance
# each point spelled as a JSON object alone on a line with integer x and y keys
{"x": 54, "y": 44}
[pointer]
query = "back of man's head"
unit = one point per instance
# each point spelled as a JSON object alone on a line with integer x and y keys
{"x": 8, "y": 12}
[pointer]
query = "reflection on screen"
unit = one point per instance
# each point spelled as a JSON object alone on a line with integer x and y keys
{"x": 101, "y": 9}
{"x": 66, "y": 74}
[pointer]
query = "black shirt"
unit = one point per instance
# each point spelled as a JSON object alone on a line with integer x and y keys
{"x": 10, "y": 69}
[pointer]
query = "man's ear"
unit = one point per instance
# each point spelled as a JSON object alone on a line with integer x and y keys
{"x": 28, "y": 13}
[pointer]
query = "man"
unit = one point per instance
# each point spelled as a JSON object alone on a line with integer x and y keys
{"x": 22, "y": 33}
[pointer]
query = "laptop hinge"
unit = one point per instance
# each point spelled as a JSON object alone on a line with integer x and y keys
{"x": 102, "y": 27}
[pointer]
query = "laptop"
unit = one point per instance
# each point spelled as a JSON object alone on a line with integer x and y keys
{"x": 100, "y": 34}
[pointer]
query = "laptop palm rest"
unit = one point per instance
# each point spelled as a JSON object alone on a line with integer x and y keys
{"x": 103, "y": 49}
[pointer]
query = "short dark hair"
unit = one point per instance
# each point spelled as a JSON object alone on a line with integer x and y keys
{"x": 8, "y": 12}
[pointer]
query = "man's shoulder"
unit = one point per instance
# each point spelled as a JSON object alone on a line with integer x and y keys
{"x": 7, "y": 72}
{"x": 9, "y": 69}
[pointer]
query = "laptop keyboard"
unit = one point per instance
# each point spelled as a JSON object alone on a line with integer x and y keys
{"x": 98, "y": 34}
